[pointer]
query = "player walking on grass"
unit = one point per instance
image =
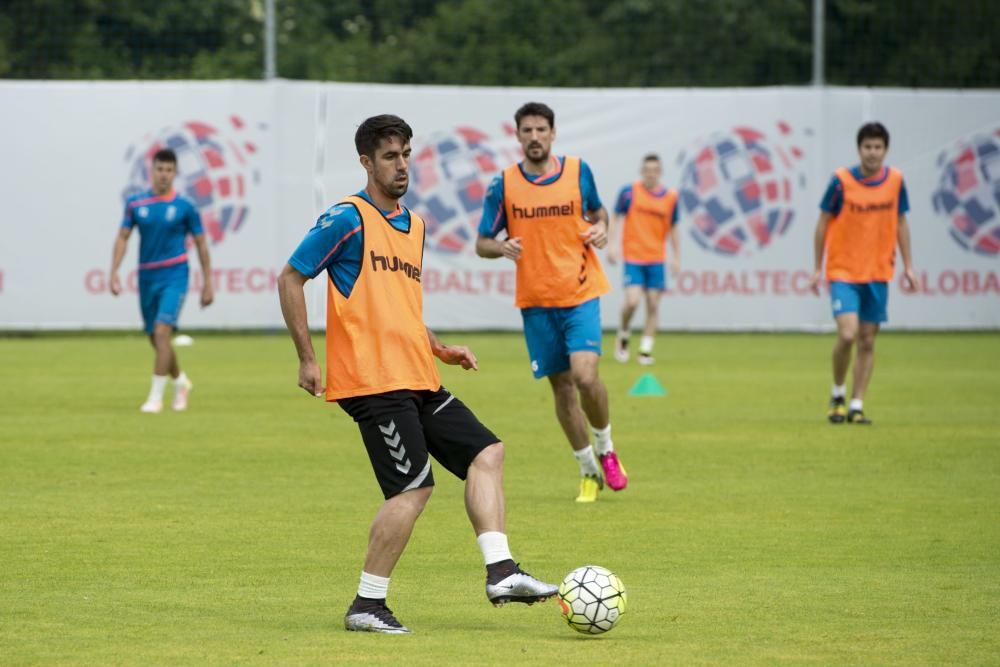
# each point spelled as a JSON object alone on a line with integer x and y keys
{"x": 554, "y": 219}
{"x": 862, "y": 220}
{"x": 645, "y": 216}
{"x": 380, "y": 368}
{"x": 165, "y": 219}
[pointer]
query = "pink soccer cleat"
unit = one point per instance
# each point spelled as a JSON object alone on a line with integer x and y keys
{"x": 614, "y": 472}
{"x": 181, "y": 391}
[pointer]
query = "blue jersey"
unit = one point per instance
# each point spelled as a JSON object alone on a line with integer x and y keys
{"x": 336, "y": 243}
{"x": 494, "y": 218}
{"x": 624, "y": 201}
{"x": 164, "y": 223}
{"x": 833, "y": 198}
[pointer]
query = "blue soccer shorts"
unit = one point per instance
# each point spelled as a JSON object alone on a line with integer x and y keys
{"x": 869, "y": 300}
{"x": 646, "y": 276}
{"x": 161, "y": 295}
{"x": 552, "y": 334}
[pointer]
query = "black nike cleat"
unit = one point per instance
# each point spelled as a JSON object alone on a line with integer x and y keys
{"x": 368, "y": 615}
{"x": 507, "y": 582}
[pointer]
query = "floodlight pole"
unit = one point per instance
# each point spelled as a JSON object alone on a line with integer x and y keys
{"x": 819, "y": 18}
{"x": 270, "y": 69}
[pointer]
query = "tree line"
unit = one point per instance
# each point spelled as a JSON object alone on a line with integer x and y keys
{"x": 587, "y": 43}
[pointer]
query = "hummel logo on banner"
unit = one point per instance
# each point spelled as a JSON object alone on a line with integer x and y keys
{"x": 396, "y": 450}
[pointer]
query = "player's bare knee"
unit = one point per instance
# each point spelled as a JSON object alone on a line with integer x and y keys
{"x": 414, "y": 499}
{"x": 490, "y": 458}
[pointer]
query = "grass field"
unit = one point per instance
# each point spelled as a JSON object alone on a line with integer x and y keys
{"x": 753, "y": 532}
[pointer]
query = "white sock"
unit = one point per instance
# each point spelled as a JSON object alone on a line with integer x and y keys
{"x": 494, "y": 547}
{"x": 602, "y": 440}
{"x": 373, "y": 586}
{"x": 622, "y": 334}
{"x": 585, "y": 457}
{"x": 156, "y": 389}
{"x": 181, "y": 379}
{"x": 855, "y": 404}
{"x": 646, "y": 345}
{"x": 839, "y": 391}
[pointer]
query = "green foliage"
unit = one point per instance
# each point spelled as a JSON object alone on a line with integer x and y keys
{"x": 607, "y": 43}
{"x": 752, "y": 532}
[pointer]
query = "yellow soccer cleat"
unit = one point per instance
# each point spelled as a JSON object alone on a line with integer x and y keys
{"x": 589, "y": 486}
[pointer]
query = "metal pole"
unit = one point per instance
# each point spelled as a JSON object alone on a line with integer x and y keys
{"x": 270, "y": 68}
{"x": 819, "y": 18}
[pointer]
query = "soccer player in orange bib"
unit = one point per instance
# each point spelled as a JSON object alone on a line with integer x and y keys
{"x": 862, "y": 220}
{"x": 554, "y": 219}
{"x": 645, "y": 214}
{"x": 380, "y": 369}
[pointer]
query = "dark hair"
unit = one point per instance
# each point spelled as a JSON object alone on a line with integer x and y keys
{"x": 535, "y": 109}
{"x": 874, "y": 130}
{"x": 371, "y": 132}
{"x": 651, "y": 157}
{"x": 165, "y": 155}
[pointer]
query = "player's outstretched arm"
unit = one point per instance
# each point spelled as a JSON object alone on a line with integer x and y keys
{"x": 454, "y": 355}
{"x": 615, "y": 238}
{"x": 207, "y": 291}
{"x": 819, "y": 247}
{"x": 494, "y": 248}
{"x": 910, "y": 283}
{"x": 293, "y": 308}
{"x": 117, "y": 255}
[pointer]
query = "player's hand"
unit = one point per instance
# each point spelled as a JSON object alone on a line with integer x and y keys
{"x": 612, "y": 256}
{"x": 458, "y": 355}
{"x": 511, "y": 248}
{"x": 814, "y": 282}
{"x": 115, "y": 284}
{"x": 207, "y": 295}
{"x": 597, "y": 235}
{"x": 675, "y": 267}
{"x": 910, "y": 282}
{"x": 311, "y": 378}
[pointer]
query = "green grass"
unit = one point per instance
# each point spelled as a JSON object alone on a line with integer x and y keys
{"x": 753, "y": 532}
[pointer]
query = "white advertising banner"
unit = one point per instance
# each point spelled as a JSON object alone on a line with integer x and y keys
{"x": 262, "y": 160}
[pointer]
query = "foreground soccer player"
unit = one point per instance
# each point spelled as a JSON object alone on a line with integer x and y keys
{"x": 554, "y": 219}
{"x": 165, "y": 219}
{"x": 380, "y": 368}
{"x": 645, "y": 217}
{"x": 863, "y": 218}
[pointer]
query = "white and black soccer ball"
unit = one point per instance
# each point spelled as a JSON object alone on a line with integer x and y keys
{"x": 592, "y": 599}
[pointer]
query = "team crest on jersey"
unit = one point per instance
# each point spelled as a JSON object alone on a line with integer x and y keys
{"x": 216, "y": 170}
{"x": 142, "y": 211}
{"x": 171, "y": 212}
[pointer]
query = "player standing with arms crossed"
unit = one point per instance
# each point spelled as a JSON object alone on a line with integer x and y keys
{"x": 380, "y": 368}
{"x": 554, "y": 219}
{"x": 862, "y": 221}
{"x": 645, "y": 214}
{"x": 165, "y": 219}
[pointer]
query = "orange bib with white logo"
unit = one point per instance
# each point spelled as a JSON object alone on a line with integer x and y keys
{"x": 376, "y": 340}
{"x": 556, "y": 268}
{"x": 861, "y": 240}
{"x": 647, "y": 225}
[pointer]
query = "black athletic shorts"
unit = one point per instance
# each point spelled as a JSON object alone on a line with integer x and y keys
{"x": 400, "y": 429}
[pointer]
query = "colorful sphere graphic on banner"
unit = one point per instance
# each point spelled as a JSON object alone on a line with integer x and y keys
{"x": 737, "y": 188}
{"x": 449, "y": 175}
{"x": 213, "y": 171}
{"x": 968, "y": 193}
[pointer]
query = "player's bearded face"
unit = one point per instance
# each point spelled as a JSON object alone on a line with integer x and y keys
{"x": 872, "y": 154}
{"x": 163, "y": 176}
{"x": 391, "y": 167}
{"x": 536, "y": 136}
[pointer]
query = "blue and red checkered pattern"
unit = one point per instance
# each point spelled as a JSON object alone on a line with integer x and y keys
{"x": 968, "y": 192}
{"x": 737, "y": 187}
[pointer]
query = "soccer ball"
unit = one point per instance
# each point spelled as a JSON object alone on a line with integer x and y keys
{"x": 592, "y": 599}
